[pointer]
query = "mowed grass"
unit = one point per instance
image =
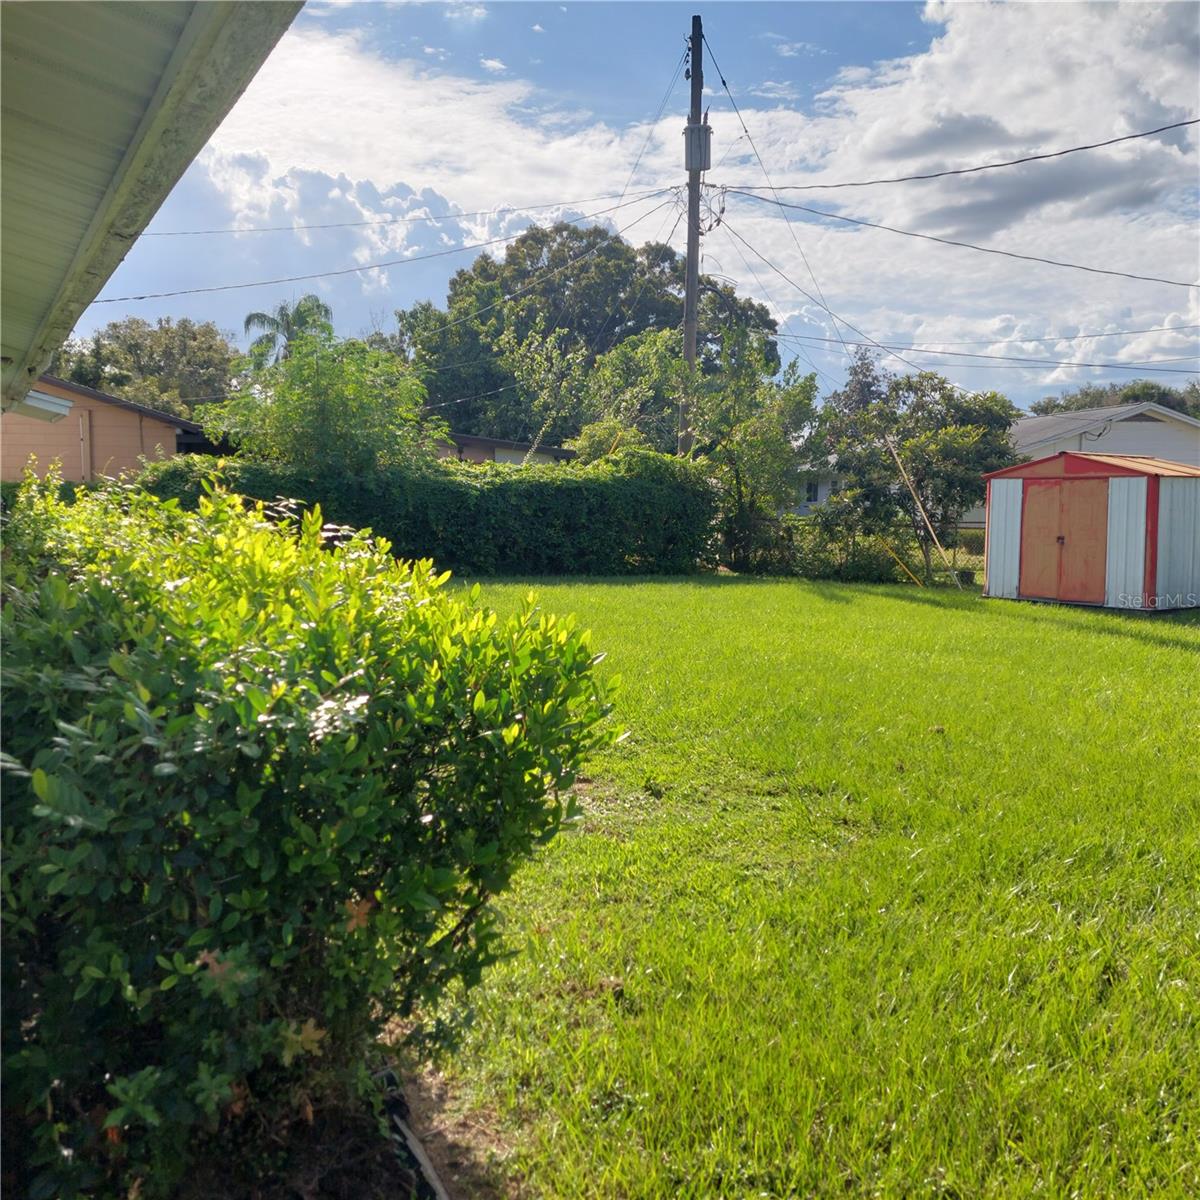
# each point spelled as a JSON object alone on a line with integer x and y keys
{"x": 888, "y": 893}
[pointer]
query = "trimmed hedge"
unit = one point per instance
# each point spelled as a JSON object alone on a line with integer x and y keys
{"x": 638, "y": 513}
{"x": 262, "y": 783}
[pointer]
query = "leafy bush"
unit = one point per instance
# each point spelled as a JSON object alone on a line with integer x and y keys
{"x": 263, "y": 782}
{"x": 971, "y": 540}
{"x": 815, "y": 551}
{"x": 634, "y": 513}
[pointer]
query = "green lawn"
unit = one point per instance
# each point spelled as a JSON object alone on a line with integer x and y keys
{"x": 888, "y": 893}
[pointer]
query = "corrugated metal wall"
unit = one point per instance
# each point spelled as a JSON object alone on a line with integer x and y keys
{"x": 1004, "y": 538}
{"x": 1125, "y": 569}
{"x": 1178, "y": 543}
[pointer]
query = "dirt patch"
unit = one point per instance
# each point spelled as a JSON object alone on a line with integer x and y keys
{"x": 470, "y": 1155}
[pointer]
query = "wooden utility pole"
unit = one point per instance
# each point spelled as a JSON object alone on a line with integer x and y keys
{"x": 697, "y": 158}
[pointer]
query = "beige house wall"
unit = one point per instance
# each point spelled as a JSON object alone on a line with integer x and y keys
{"x": 93, "y": 439}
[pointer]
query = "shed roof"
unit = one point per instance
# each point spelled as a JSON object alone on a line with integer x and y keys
{"x": 1076, "y": 462}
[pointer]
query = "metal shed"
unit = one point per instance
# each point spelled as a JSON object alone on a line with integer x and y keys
{"x": 1116, "y": 530}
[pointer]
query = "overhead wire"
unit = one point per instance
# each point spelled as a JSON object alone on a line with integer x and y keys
{"x": 767, "y": 177}
{"x": 1049, "y": 362}
{"x": 387, "y": 264}
{"x": 1066, "y": 337}
{"x": 403, "y": 220}
{"x": 929, "y": 237}
{"x": 993, "y": 166}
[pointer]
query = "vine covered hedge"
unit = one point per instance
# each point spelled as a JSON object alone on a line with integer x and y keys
{"x": 638, "y": 513}
{"x": 262, "y": 782}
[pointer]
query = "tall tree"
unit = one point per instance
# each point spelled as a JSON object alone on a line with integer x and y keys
{"x": 946, "y": 440}
{"x": 170, "y": 365}
{"x": 279, "y": 328}
{"x": 343, "y": 405}
{"x": 1135, "y": 391}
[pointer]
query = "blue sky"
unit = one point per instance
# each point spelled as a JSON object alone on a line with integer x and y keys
{"x": 372, "y": 111}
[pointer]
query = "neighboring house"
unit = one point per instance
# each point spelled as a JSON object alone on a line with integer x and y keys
{"x": 95, "y": 434}
{"x": 817, "y": 489}
{"x": 469, "y": 448}
{"x": 1148, "y": 429}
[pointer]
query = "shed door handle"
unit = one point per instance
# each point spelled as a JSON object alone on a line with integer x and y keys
{"x": 1062, "y": 541}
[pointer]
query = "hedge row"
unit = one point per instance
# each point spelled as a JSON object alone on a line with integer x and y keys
{"x": 640, "y": 513}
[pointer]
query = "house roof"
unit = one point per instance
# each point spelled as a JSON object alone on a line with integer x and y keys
{"x": 1076, "y": 462}
{"x": 104, "y": 108}
{"x": 472, "y": 439}
{"x": 1030, "y": 432}
{"x": 79, "y": 390}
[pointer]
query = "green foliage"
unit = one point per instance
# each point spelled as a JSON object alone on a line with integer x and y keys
{"x": 589, "y": 290}
{"x": 263, "y": 783}
{"x": 813, "y": 548}
{"x": 310, "y": 316}
{"x": 551, "y": 376}
{"x": 1134, "y": 391}
{"x": 750, "y": 428}
{"x": 945, "y": 439}
{"x": 171, "y": 365}
{"x": 971, "y": 540}
{"x": 324, "y": 404}
{"x": 606, "y": 437}
{"x": 635, "y": 513}
{"x": 639, "y": 383}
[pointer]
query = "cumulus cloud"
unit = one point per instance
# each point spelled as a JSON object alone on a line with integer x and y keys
{"x": 465, "y": 13}
{"x": 995, "y": 82}
{"x": 494, "y": 65}
{"x": 537, "y": 29}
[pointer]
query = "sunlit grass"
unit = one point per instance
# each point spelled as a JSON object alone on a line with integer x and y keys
{"x": 888, "y": 893}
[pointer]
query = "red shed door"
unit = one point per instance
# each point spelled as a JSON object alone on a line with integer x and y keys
{"x": 1084, "y": 528}
{"x": 1064, "y": 535}
{"x": 1040, "y": 548}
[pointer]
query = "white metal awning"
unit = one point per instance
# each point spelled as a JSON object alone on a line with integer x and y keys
{"x": 104, "y": 105}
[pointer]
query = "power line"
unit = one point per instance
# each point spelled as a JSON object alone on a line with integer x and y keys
{"x": 1049, "y": 362}
{"x": 771, "y": 304}
{"x": 767, "y": 177}
{"x": 396, "y": 262}
{"x": 637, "y": 162}
{"x": 483, "y": 212}
{"x": 1071, "y": 337}
{"x": 789, "y": 280}
{"x": 928, "y": 237}
{"x": 994, "y": 166}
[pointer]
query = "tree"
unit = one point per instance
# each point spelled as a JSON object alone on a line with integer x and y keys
{"x": 751, "y": 428}
{"x": 1135, "y": 391}
{"x": 639, "y": 384}
{"x": 946, "y": 440}
{"x": 550, "y": 374}
{"x": 605, "y": 437}
{"x": 588, "y": 283}
{"x": 171, "y": 365}
{"x": 309, "y": 315}
{"x": 344, "y": 405}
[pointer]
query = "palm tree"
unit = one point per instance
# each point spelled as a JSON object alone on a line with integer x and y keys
{"x": 310, "y": 314}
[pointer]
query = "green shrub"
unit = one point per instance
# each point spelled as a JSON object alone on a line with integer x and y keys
{"x": 262, "y": 783}
{"x": 635, "y": 513}
{"x": 970, "y": 541}
{"x": 812, "y": 550}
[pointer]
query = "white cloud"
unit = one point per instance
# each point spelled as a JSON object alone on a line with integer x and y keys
{"x": 465, "y": 13}
{"x": 436, "y": 52}
{"x": 537, "y": 29}
{"x": 770, "y": 90}
{"x": 991, "y": 85}
{"x": 492, "y": 64}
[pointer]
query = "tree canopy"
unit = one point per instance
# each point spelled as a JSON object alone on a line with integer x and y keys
{"x": 1135, "y": 391}
{"x": 172, "y": 366}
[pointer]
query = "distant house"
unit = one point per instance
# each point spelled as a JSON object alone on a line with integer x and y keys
{"x": 90, "y": 433}
{"x": 466, "y": 447}
{"x": 1148, "y": 429}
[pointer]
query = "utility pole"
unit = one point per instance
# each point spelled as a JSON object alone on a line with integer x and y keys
{"x": 697, "y": 158}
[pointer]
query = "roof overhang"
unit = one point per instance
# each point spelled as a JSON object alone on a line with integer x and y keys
{"x": 1119, "y": 413}
{"x": 105, "y": 104}
{"x": 41, "y": 406}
